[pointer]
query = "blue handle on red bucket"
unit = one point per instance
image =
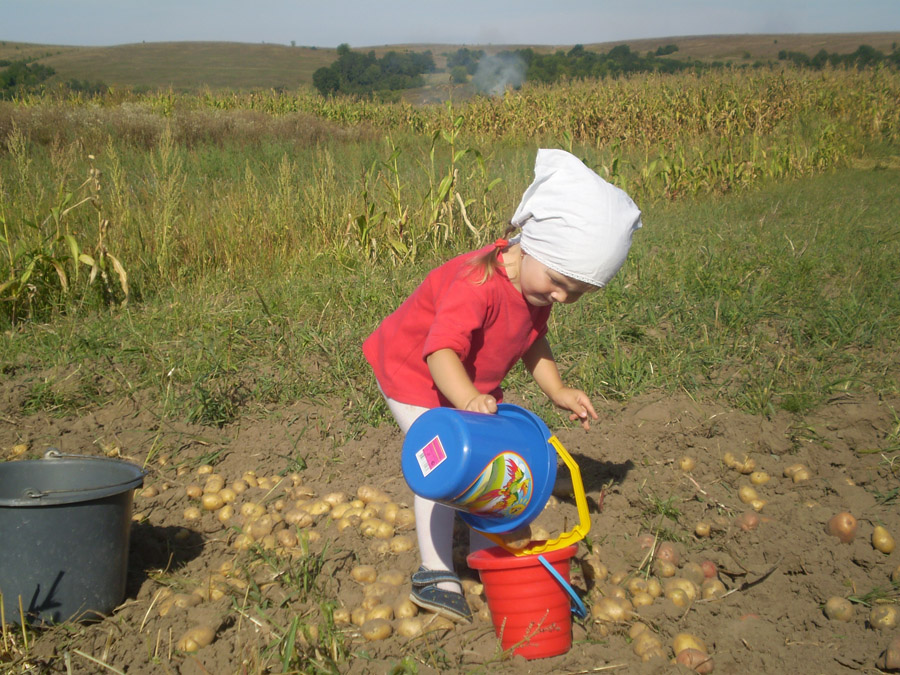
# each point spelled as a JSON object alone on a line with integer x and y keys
{"x": 579, "y": 609}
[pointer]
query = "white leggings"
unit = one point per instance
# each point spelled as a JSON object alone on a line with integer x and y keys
{"x": 434, "y": 521}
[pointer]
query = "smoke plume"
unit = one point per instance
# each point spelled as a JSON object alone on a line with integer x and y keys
{"x": 496, "y": 72}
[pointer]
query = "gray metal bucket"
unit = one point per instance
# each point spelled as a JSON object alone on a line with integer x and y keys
{"x": 65, "y": 522}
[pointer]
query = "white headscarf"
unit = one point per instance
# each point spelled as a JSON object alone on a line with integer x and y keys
{"x": 573, "y": 221}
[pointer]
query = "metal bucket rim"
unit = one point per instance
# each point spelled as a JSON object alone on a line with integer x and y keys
{"x": 33, "y": 497}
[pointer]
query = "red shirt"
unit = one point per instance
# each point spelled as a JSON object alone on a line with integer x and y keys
{"x": 490, "y": 326}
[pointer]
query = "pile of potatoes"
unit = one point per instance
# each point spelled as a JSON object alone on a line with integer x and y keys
{"x": 279, "y": 513}
{"x": 616, "y": 599}
{"x": 386, "y": 609}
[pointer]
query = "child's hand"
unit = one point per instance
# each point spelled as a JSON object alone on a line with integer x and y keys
{"x": 579, "y": 403}
{"x": 483, "y": 403}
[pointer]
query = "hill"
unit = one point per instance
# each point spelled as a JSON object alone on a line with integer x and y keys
{"x": 235, "y": 65}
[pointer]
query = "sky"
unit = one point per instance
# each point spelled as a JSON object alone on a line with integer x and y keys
{"x": 363, "y": 23}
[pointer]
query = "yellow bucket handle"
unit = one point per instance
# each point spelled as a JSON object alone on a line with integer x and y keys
{"x": 566, "y": 538}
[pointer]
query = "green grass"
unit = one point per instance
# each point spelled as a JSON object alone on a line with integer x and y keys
{"x": 775, "y": 298}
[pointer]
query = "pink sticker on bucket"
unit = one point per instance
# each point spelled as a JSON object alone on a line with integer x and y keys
{"x": 431, "y": 456}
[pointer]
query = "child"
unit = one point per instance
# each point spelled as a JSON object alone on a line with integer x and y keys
{"x": 456, "y": 337}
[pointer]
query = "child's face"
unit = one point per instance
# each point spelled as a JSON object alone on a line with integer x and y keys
{"x": 543, "y": 286}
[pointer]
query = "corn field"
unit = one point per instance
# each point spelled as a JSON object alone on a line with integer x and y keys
{"x": 106, "y": 198}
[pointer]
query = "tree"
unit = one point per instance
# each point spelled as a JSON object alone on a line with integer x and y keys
{"x": 326, "y": 81}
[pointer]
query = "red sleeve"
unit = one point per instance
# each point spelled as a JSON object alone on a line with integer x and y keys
{"x": 459, "y": 312}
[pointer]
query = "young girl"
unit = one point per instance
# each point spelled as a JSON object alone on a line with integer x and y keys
{"x": 456, "y": 337}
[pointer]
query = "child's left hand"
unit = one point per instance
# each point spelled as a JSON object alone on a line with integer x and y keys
{"x": 579, "y": 403}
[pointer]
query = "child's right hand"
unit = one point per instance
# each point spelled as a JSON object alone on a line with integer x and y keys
{"x": 483, "y": 403}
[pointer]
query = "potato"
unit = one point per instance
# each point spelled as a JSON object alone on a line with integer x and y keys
{"x": 404, "y": 608}
{"x": 842, "y": 525}
{"x": 517, "y": 539}
{"x": 318, "y": 507}
{"x": 148, "y": 492}
{"x": 401, "y": 544}
{"x": 192, "y": 513}
{"x": 340, "y": 616}
{"x": 684, "y": 641}
{"x": 712, "y": 588}
{"x": 409, "y": 627}
{"x": 882, "y": 540}
{"x": 358, "y": 615}
{"x": 389, "y": 512}
{"x": 392, "y": 577}
{"x": 694, "y": 572}
{"x": 678, "y": 597}
{"x": 405, "y": 519}
{"x": 211, "y": 501}
{"x": 193, "y": 491}
{"x": 343, "y": 523}
{"x": 335, "y": 498}
{"x": 839, "y": 609}
{"x": 214, "y": 483}
{"x": 636, "y": 585}
{"x": 185, "y": 600}
{"x": 789, "y": 471}
{"x": 338, "y": 510}
{"x": 747, "y": 493}
{"x": 195, "y": 638}
{"x": 642, "y": 599}
{"x": 370, "y": 494}
{"x": 298, "y": 518}
{"x": 702, "y": 529}
{"x": 593, "y": 569}
{"x": 759, "y": 478}
{"x": 287, "y": 538}
{"x": 205, "y": 469}
{"x": 260, "y": 527}
{"x": 667, "y": 551}
{"x": 239, "y": 487}
{"x": 687, "y": 464}
{"x": 252, "y": 510}
{"x": 612, "y": 610}
{"x": 664, "y": 568}
{"x": 747, "y": 521}
{"x": 380, "y": 611}
{"x": 890, "y": 658}
{"x": 376, "y": 629}
{"x": 369, "y": 526}
{"x": 364, "y": 574}
{"x": 644, "y": 642}
{"x": 688, "y": 587}
{"x": 696, "y": 660}
{"x": 884, "y": 617}
{"x": 636, "y": 629}
{"x": 378, "y": 589}
{"x": 243, "y": 542}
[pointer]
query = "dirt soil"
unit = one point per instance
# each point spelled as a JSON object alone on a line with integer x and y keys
{"x": 777, "y": 576}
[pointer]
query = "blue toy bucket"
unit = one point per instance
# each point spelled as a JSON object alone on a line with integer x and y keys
{"x": 497, "y": 470}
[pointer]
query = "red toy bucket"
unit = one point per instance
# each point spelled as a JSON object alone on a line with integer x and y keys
{"x": 531, "y": 611}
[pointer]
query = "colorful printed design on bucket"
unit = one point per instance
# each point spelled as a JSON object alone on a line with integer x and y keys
{"x": 502, "y": 490}
{"x": 431, "y": 455}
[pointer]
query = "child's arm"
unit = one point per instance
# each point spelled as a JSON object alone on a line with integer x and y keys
{"x": 451, "y": 379}
{"x": 540, "y": 362}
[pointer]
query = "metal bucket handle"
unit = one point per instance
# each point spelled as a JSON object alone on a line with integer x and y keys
{"x": 574, "y": 535}
{"x": 53, "y": 454}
